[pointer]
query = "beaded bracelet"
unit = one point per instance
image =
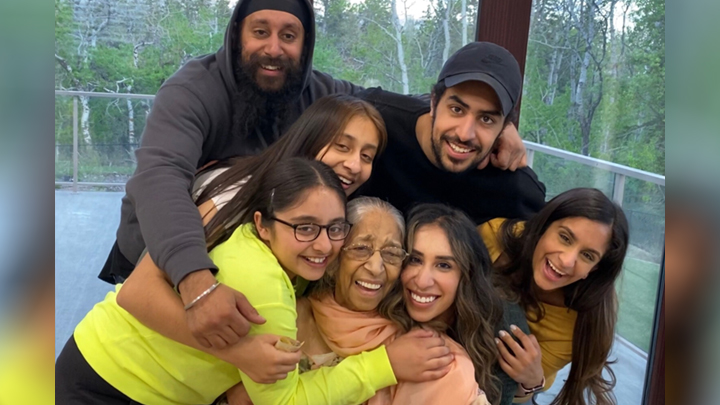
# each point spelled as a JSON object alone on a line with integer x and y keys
{"x": 203, "y": 294}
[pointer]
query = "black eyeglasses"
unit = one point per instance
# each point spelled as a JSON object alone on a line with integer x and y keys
{"x": 309, "y": 232}
{"x": 390, "y": 255}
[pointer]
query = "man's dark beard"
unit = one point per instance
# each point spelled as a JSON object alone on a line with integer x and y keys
{"x": 437, "y": 149}
{"x": 255, "y": 110}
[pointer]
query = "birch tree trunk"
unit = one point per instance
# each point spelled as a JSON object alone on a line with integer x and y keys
{"x": 400, "y": 49}
{"x": 446, "y": 32}
{"x": 464, "y": 23}
{"x": 85, "y": 120}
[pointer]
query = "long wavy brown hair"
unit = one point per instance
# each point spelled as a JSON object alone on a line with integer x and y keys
{"x": 478, "y": 307}
{"x": 320, "y": 125}
{"x": 594, "y": 298}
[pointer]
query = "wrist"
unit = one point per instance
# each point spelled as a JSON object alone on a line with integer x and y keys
{"x": 533, "y": 387}
{"x": 195, "y": 283}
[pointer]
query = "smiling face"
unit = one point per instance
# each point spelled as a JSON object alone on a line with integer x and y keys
{"x": 466, "y": 123}
{"x": 568, "y": 251}
{"x": 351, "y": 154}
{"x": 431, "y": 276}
{"x": 361, "y": 284}
{"x": 319, "y": 205}
{"x": 272, "y": 45}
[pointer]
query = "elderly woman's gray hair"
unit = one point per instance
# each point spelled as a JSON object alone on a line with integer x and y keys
{"x": 357, "y": 209}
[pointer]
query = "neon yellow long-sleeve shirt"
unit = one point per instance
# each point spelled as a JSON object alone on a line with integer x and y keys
{"x": 152, "y": 369}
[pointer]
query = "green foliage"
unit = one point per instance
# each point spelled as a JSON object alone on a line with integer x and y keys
{"x": 357, "y": 42}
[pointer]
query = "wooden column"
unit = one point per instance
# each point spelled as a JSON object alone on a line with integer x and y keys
{"x": 506, "y": 23}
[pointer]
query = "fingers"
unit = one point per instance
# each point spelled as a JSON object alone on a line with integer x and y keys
{"x": 288, "y": 360}
{"x": 238, "y": 327}
{"x": 505, "y": 353}
{"x": 217, "y": 342}
{"x": 228, "y": 334}
{"x": 515, "y": 163}
{"x": 483, "y": 163}
{"x": 524, "y": 339}
{"x": 440, "y": 363}
{"x": 501, "y": 159}
{"x": 437, "y": 352}
{"x": 434, "y": 374}
{"x": 535, "y": 342}
{"x": 247, "y": 310}
{"x": 506, "y": 367}
{"x": 203, "y": 342}
{"x": 523, "y": 161}
{"x": 511, "y": 343}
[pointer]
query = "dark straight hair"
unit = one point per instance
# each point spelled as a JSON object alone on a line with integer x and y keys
{"x": 279, "y": 187}
{"x": 478, "y": 308}
{"x": 439, "y": 88}
{"x": 319, "y": 126}
{"x": 594, "y": 298}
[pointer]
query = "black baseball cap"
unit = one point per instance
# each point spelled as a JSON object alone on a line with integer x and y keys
{"x": 488, "y": 63}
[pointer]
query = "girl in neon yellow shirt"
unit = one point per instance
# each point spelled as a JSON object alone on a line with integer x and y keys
{"x": 292, "y": 224}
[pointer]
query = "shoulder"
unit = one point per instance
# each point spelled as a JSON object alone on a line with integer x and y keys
{"x": 201, "y": 78}
{"x": 321, "y": 84}
{"x": 247, "y": 264}
{"x": 219, "y": 198}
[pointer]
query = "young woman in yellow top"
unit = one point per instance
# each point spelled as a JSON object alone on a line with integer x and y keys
{"x": 562, "y": 266}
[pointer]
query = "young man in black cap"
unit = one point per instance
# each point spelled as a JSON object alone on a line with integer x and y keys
{"x": 433, "y": 150}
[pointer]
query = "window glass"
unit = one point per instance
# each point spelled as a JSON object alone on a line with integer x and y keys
{"x": 595, "y": 85}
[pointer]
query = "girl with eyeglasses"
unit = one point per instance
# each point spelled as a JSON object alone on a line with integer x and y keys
{"x": 113, "y": 358}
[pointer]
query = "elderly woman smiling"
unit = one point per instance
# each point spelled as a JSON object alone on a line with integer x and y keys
{"x": 339, "y": 317}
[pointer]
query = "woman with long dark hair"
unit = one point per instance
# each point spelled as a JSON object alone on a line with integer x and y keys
{"x": 446, "y": 285}
{"x": 561, "y": 266}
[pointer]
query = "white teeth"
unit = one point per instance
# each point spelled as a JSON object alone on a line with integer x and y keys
{"x": 368, "y": 285}
{"x": 318, "y": 260}
{"x": 555, "y": 269}
{"x": 458, "y": 149}
{"x": 269, "y": 67}
{"x": 345, "y": 180}
{"x": 422, "y": 300}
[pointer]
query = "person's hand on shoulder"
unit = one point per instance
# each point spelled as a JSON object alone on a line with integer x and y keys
{"x": 219, "y": 318}
{"x": 521, "y": 361}
{"x": 509, "y": 153}
{"x": 419, "y": 355}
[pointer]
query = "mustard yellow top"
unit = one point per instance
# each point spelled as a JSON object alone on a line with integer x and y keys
{"x": 554, "y": 332}
{"x": 152, "y": 369}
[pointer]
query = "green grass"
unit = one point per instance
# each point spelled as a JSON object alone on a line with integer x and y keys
{"x": 93, "y": 172}
{"x": 637, "y": 291}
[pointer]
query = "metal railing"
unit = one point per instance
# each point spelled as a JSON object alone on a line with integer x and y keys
{"x": 76, "y": 155}
{"x": 619, "y": 172}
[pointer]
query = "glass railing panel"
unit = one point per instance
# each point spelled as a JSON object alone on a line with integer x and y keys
{"x": 644, "y": 206}
{"x": 559, "y": 175}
